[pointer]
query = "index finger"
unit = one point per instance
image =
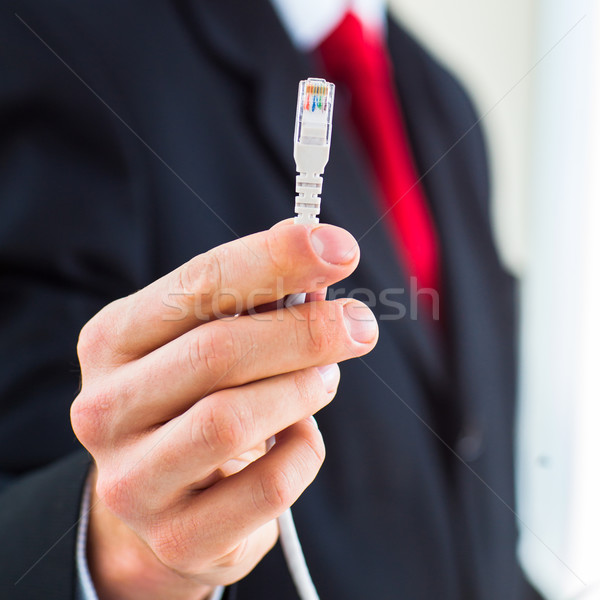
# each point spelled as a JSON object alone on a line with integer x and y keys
{"x": 229, "y": 279}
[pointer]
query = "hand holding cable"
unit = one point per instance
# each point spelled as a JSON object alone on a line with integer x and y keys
{"x": 175, "y": 411}
{"x": 177, "y": 402}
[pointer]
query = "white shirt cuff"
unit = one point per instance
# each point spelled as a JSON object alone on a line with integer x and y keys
{"x": 85, "y": 585}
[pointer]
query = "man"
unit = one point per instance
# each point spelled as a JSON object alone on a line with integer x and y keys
{"x": 137, "y": 137}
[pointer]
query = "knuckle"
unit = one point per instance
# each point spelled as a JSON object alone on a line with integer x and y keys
{"x": 201, "y": 274}
{"x": 233, "y": 557}
{"x": 170, "y": 542}
{"x": 213, "y": 351}
{"x": 314, "y": 452}
{"x": 317, "y": 333}
{"x": 92, "y": 337}
{"x": 116, "y": 493}
{"x": 282, "y": 261}
{"x": 218, "y": 426}
{"x": 305, "y": 391}
{"x": 275, "y": 491}
{"x": 98, "y": 342}
{"x": 90, "y": 416}
{"x": 185, "y": 278}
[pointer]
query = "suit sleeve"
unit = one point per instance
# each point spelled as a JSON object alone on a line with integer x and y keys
{"x": 38, "y": 519}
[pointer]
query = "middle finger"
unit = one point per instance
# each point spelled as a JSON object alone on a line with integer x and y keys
{"x": 230, "y": 353}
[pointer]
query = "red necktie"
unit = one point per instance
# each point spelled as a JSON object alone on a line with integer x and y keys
{"x": 358, "y": 59}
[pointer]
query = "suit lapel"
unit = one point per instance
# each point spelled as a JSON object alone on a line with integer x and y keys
{"x": 264, "y": 60}
{"x": 379, "y": 269}
{"x": 476, "y": 293}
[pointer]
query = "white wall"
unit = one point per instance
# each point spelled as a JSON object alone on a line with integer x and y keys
{"x": 559, "y": 421}
{"x": 489, "y": 44}
{"x": 534, "y": 69}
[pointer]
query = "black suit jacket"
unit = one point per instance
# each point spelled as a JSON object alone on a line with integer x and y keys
{"x": 136, "y": 134}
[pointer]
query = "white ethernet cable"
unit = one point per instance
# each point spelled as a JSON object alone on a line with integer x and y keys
{"x": 312, "y": 139}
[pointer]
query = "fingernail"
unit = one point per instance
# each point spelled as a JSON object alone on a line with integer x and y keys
{"x": 333, "y": 244}
{"x": 360, "y": 322}
{"x": 313, "y": 421}
{"x": 330, "y": 374}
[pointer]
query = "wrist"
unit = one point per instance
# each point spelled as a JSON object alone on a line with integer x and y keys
{"x": 123, "y": 567}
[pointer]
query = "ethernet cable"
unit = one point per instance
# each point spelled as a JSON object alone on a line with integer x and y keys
{"x": 312, "y": 140}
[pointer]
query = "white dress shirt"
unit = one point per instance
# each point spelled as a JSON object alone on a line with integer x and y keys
{"x": 308, "y": 22}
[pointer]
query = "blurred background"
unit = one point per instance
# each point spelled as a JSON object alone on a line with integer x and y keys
{"x": 533, "y": 69}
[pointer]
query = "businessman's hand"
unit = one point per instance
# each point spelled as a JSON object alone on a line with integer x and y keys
{"x": 178, "y": 399}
